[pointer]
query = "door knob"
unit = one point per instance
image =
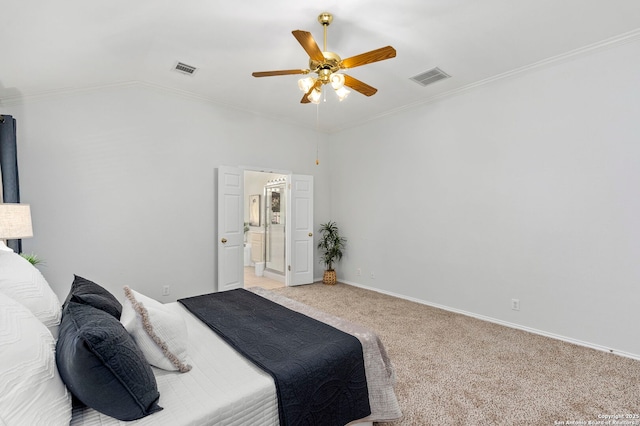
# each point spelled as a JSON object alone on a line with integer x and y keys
{"x": 311, "y": 234}
{"x": 224, "y": 240}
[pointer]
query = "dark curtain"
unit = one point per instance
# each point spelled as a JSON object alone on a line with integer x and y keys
{"x": 9, "y": 167}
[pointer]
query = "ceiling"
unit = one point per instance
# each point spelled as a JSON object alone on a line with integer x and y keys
{"x": 49, "y": 47}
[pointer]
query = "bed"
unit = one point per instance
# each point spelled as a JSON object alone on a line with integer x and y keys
{"x": 206, "y": 381}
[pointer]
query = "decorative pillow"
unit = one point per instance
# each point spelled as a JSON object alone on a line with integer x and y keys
{"x": 24, "y": 283}
{"x": 89, "y": 293}
{"x": 31, "y": 391}
{"x": 102, "y": 366}
{"x": 160, "y": 334}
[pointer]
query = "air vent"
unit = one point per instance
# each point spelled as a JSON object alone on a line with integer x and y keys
{"x": 430, "y": 77}
{"x": 184, "y": 68}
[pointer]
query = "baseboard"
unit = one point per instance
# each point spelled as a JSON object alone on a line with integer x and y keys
{"x": 501, "y": 322}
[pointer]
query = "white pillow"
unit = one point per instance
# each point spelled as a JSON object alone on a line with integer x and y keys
{"x": 160, "y": 334}
{"x": 24, "y": 283}
{"x": 31, "y": 391}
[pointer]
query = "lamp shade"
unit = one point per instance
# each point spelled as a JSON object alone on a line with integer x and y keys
{"x": 342, "y": 93}
{"x": 15, "y": 221}
{"x": 305, "y": 84}
{"x": 337, "y": 81}
{"x": 314, "y": 96}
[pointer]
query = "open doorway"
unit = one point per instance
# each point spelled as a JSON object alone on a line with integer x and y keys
{"x": 232, "y": 246}
{"x": 265, "y": 221}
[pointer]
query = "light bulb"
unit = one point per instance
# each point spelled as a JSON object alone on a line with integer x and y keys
{"x": 305, "y": 84}
{"x": 314, "y": 96}
{"x": 337, "y": 81}
{"x": 342, "y": 93}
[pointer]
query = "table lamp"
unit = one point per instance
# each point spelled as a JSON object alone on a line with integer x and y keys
{"x": 15, "y": 223}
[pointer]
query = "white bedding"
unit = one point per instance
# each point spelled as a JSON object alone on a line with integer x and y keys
{"x": 222, "y": 388}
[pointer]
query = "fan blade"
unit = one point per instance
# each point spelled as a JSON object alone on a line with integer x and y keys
{"x": 305, "y": 97}
{"x": 381, "y": 54}
{"x": 309, "y": 45}
{"x": 359, "y": 86}
{"x": 281, "y": 72}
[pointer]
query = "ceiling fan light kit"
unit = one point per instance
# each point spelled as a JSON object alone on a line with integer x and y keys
{"x": 326, "y": 65}
{"x": 314, "y": 96}
{"x": 305, "y": 84}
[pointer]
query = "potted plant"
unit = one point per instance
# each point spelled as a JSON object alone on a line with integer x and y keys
{"x": 32, "y": 258}
{"x": 331, "y": 245}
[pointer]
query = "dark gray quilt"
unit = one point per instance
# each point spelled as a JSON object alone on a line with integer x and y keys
{"x": 318, "y": 370}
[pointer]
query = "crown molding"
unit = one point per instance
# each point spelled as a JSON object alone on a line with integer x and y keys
{"x": 35, "y": 97}
{"x": 609, "y": 43}
{"x": 21, "y": 99}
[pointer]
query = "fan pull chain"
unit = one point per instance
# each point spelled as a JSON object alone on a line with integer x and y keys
{"x": 317, "y": 134}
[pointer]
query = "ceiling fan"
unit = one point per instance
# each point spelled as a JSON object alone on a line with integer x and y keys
{"x": 327, "y": 66}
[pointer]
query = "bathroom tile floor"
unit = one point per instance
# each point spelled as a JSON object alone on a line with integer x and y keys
{"x": 251, "y": 280}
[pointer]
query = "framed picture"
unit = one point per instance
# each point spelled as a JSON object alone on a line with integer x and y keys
{"x": 254, "y": 210}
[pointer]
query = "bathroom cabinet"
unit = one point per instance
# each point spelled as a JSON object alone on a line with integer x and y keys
{"x": 257, "y": 246}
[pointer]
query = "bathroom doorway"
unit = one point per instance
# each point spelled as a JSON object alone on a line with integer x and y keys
{"x": 236, "y": 247}
{"x": 265, "y": 256}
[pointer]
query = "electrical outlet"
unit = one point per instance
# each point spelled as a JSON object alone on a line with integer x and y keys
{"x": 373, "y": 275}
{"x": 515, "y": 304}
{"x": 165, "y": 290}
{"x": 358, "y": 272}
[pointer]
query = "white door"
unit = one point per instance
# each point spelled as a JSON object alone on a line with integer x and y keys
{"x": 230, "y": 228}
{"x": 300, "y": 242}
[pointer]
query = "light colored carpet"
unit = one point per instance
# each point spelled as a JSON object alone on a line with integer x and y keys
{"x": 457, "y": 370}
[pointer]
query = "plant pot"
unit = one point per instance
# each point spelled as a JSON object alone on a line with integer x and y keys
{"x": 329, "y": 277}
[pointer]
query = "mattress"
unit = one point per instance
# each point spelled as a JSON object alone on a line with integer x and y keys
{"x": 222, "y": 388}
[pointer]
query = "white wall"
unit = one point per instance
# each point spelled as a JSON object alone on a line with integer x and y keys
{"x": 121, "y": 183}
{"x": 526, "y": 188}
